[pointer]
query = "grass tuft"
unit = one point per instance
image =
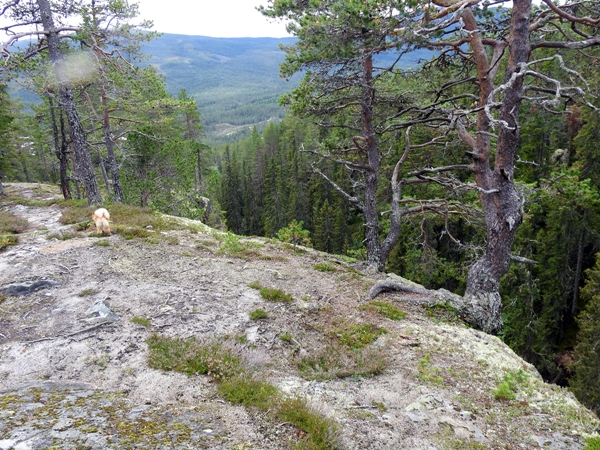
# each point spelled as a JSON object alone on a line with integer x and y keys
{"x": 385, "y": 309}
{"x": 322, "y": 267}
{"x": 258, "y": 314}
{"x": 143, "y": 321}
{"x": 87, "y": 292}
{"x": 359, "y": 335}
{"x": 335, "y": 361}
{"x": 275, "y": 295}
{"x": 248, "y": 391}
{"x": 428, "y": 373}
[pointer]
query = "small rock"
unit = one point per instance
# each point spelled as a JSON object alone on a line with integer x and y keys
{"x": 100, "y": 312}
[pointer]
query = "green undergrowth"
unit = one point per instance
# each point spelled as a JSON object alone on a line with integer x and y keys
{"x": 349, "y": 354}
{"x": 443, "y": 313}
{"x": 322, "y": 267}
{"x": 592, "y": 443}
{"x": 233, "y": 245}
{"x": 385, "y": 309}
{"x": 426, "y": 372}
{"x": 510, "y": 384}
{"x": 240, "y": 383}
{"x": 271, "y": 294}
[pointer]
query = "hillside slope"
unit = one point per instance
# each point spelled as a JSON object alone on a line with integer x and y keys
{"x": 77, "y": 379}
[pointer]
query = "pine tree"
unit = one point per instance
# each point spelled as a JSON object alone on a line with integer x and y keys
{"x": 232, "y": 193}
{"x": 586, "y": 383}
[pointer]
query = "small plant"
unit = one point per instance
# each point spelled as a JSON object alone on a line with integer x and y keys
{"x": 428, "y": 373}
{"x": 592, "y": 443}
{"x": 379, "y": 405}
{"x": 286, "y": 337}
{"x": 322, "y": 267}
{"x": 385, "y": 309}
{"x": 2, "y": 298}
{"x": 143, "y": 321}
{"x": 275, "y": 295}
{"x": 509, "y": 385}
{"x": 254, "y": 285}
{"x": 87, "y": 292}
{"x": 294, "y": 234}
{"x": 357, "y": 336}
{"x": 258, "y": 314}
{"x": 7, "y": 240}
{"x": 103, "y": 243}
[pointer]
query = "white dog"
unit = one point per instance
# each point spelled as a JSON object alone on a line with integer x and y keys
{"x": 100, "y": 217}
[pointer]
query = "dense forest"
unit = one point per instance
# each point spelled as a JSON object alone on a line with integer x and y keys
{"x": 476, "y": 171}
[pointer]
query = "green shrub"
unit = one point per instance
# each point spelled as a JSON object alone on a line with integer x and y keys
{"x": 248, "y": 391}
{"x": 294, "y": 234}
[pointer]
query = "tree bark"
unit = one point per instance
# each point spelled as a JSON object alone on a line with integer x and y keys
{"x": 85, "y": 169}
{"x": 501, "y": 204}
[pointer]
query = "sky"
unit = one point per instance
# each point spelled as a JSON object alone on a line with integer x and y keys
{"x": 215, "y": 18}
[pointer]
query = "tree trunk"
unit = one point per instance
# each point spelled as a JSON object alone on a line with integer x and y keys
{"x": 113, "y": 167}
{"x": 578, "y": 269}
{"x": 60, "y": 150}
{"x": 103, "y": 171}
{"x": 502, "y": 205}
{"x": 85, "y": 169}
{"x": 374, "y": 256}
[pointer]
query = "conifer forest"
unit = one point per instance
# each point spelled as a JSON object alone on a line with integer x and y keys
{"x": 476, "y": 171}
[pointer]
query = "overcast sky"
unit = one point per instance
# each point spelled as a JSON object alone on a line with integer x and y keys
{"x": 216, "y": 18}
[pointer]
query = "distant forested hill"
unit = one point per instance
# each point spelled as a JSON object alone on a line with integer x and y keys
{"x": 235, "y": 81}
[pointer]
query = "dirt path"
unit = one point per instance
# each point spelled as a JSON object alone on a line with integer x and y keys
{"x": 75, "y": 381}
